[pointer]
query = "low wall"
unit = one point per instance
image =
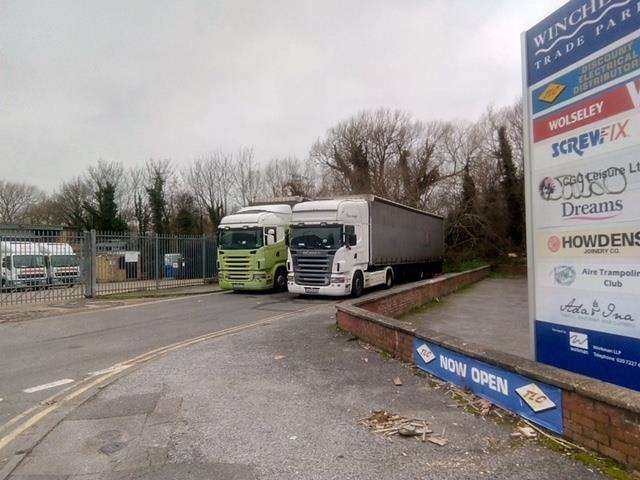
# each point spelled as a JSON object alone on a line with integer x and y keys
{"x": 596, "y": 414}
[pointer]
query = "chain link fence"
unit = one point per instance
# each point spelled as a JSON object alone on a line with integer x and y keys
{"x": 46, "y": 266}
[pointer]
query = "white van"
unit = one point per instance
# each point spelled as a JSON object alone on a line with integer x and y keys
{"x": 63, "y": 265}
{"x": 23, "y": 265}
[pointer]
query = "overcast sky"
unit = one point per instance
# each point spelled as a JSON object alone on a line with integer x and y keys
{"x": 131, "y": 80}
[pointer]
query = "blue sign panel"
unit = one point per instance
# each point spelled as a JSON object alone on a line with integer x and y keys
{"x": 621, "y": 61}
{"x": 533, "y": 400}
{"x": 612, "y": 358}
{"x": 578, "y": 29}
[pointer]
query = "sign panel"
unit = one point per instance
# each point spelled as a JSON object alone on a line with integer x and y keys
{"x": 575, "y": 31}
{"x": 582, "y": 117}
{"x": 535, "y": 401}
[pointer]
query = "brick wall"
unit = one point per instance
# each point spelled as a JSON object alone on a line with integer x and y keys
{"x": 396, "y": 343}
{"x": 610, "y": 430}
{"x": 406, "y": 298}
{"x": 600, "y": 416}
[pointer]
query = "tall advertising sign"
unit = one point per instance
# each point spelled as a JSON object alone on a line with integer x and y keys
{"x": 581, "y": 68}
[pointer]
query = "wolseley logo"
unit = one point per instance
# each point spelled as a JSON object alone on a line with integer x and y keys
{"x": 579, "y": 143}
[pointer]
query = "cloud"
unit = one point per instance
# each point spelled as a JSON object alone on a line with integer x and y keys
{"x": 132, "y": 80}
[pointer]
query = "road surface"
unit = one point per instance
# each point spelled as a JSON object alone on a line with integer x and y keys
{"x": 43, "y": 356}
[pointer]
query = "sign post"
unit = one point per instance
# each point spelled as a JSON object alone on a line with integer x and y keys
{"x": 581, "y": 102}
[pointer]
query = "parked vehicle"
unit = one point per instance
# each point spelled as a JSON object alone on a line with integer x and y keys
{"x": 341, "y": 246}
{"x": 63, "y": 265}
{"x": 252, "y": 253}
{"x": 23, "y": 265}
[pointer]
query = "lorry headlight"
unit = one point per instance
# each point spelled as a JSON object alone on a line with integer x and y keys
{"x": 338, "y": 279}
{"x": 259, "y": 276}
{"x": 290, "y": 277}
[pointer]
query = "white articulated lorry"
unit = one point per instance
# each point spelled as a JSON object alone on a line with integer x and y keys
{"x": 341, "y": 246}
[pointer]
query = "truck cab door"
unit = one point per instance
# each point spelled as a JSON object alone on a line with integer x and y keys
{"x": 354, "y": 240}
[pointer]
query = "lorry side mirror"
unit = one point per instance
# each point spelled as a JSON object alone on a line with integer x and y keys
{"x": 287, "y": 238}
{"x": 271, "y": 236}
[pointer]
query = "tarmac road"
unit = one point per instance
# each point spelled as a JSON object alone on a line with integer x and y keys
{"x": 40, "y": 357}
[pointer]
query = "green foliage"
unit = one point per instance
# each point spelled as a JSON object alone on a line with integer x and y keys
{"x": 158, "y": 202}
{"x": 186, "y": 220}
{"x": 512, "y": 189}
{"x": 102, "y": 213}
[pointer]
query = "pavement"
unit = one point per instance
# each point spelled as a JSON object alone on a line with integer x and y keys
{"x": 41, "y": 356}
{"x": 493, "y": 312}
{"x": 277, "y": 402}
{"x": 32, "y": 304}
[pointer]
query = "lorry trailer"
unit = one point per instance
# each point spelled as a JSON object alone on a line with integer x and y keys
{"x": 252, "y": 253}
{"x": 343, "y": 245}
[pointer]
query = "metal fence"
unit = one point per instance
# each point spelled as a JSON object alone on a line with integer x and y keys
{"x": 70, "y": 264}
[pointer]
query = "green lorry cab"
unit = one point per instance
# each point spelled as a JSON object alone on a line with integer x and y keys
{"x": 252, "y": 254}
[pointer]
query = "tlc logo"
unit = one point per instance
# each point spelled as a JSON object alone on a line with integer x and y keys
{"x": 579, "y": 143}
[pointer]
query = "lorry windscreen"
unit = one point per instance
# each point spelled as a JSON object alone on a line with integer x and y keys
{"x": 316, "y": 238}
{"x": 28, "y": 261}
{"x": 63, "y": 260}
{"x": 240, "y": 239}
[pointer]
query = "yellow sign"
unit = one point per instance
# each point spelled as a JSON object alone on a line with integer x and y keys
{"x": 552, "y": 92}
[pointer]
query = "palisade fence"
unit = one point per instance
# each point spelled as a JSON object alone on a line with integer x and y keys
{"x": 45, "y": 266}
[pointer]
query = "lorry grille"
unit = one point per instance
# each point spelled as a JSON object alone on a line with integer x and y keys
{"x": 28, "y": 276}
{"x": 237, "y": 268}
{"x": 312, "y": 268}
{"x": 66, "y": 274}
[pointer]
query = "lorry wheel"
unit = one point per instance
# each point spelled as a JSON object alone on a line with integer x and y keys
{"x": 358, "y": 285}
{"x": 280, "y": 280}
{"x": 388, "y": 283}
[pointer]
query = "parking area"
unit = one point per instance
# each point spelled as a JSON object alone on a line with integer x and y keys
{"x": 493, "y": 312}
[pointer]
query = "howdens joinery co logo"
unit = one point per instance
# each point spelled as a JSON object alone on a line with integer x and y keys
{"x": 579, "y": 28}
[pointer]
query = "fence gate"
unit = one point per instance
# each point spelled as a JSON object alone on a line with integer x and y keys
{"x": 76, "y": 264}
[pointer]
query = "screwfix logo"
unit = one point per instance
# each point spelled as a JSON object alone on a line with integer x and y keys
{"x": 579, "y": 143}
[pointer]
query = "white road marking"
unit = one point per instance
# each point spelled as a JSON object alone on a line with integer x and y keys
{"x": 46, "y": 386}
{"x": 103, "y": 371}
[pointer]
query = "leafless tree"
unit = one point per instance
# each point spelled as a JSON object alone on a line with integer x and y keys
{"x": 247, "y": 176}
{"x": 210, "y": 179}
{"x": 69, "y": 201}
{"x": 388, "y": 153}
{"x": 290, "y": 177}
{"x": 16, "y": 199}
